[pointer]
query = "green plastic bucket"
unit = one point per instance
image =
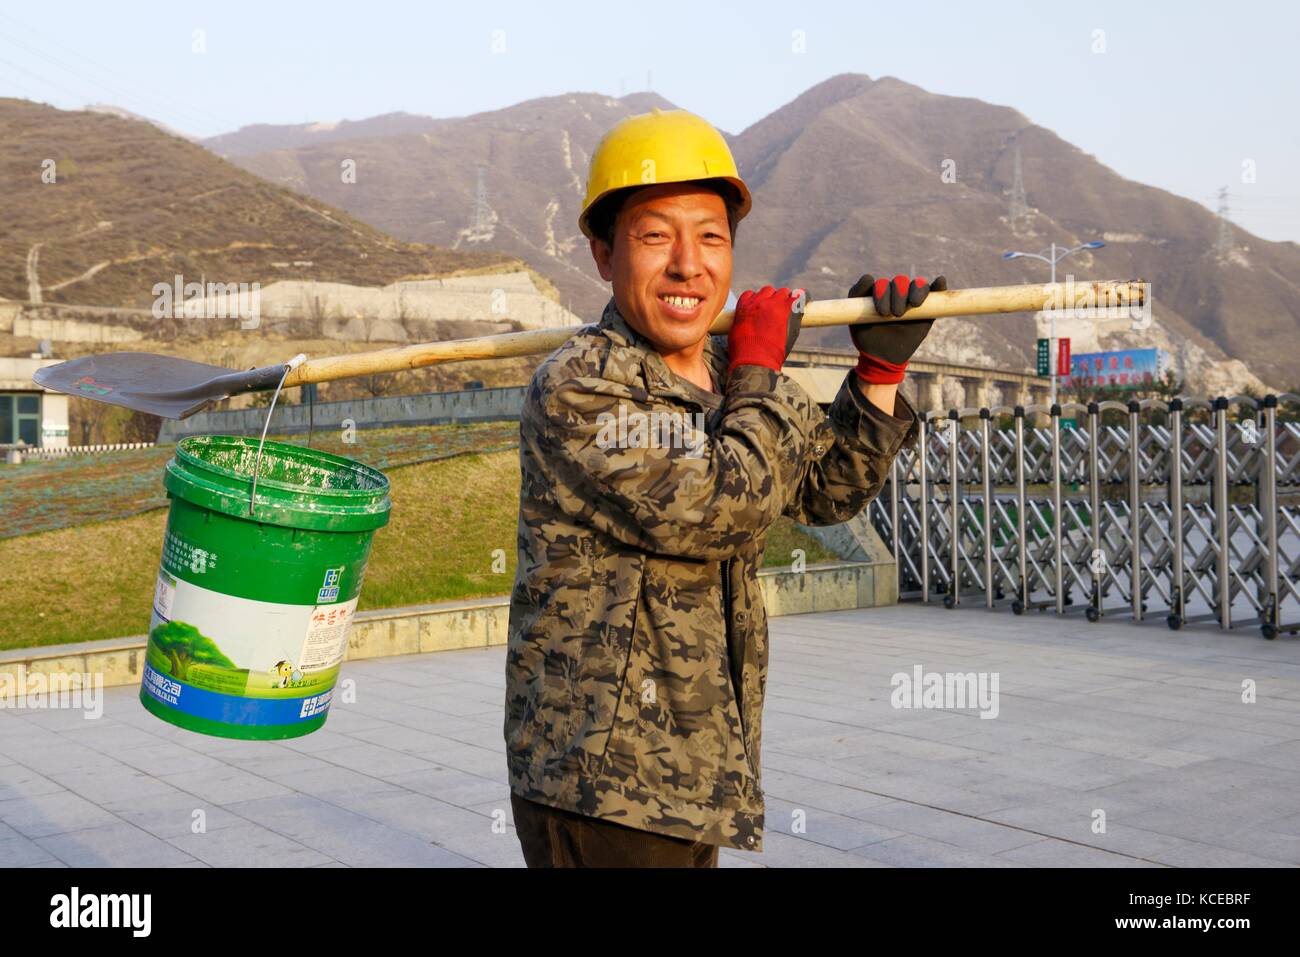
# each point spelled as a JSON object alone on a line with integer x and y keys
{"x": 251, "y": 612}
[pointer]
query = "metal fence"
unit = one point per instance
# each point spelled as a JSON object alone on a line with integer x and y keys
{"x": 1187, "y": 509}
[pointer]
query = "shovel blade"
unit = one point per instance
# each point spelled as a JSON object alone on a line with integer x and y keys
{"x": 161, "y": 385}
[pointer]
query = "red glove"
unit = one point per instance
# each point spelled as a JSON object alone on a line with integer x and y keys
{"x": 765, "y": 327}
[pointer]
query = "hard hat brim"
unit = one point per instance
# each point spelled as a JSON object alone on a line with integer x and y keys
{"x": 743, "y": 202}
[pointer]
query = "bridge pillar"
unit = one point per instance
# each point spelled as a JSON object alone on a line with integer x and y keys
{"x": 1014, "y": 393}
{"x": 1039, "y": 396}
{"x": 1032, "y": 395}
{"x": 929, "y": 389}
{"x": 975, "y": 391}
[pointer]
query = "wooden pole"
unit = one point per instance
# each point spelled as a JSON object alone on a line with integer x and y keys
{"x": 989, "y": 300}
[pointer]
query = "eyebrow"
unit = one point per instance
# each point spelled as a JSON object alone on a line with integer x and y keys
{"x": 706, "y": 218}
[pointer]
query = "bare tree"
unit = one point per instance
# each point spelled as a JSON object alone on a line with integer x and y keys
{"x": 141, "y": 427}
{"x": 86, "y": 420}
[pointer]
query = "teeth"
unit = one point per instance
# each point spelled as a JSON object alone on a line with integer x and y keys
{"x": 681, "y": 302}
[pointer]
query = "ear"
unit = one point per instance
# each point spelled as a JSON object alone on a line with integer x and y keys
{"x": 601, "y": 252}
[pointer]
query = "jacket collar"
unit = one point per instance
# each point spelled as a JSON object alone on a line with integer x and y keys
{"x": 659, "y": 379}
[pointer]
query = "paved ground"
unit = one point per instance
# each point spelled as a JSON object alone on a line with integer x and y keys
{"x": 1142, "y": 724}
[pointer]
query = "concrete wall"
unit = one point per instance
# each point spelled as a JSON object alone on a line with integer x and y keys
{"x": 366, "y": 313}
{"x": 60, "y": 329}
{"x": 431, "y": 408}
{"x": 54, "y": 421}
{"x": 424, "y": 310}
{"x": 16, "y": 373}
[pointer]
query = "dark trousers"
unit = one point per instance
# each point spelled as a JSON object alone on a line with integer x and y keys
{"x": 552, "y": 837}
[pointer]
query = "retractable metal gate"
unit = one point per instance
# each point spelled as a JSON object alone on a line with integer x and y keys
{"x": 1188, "y": 509}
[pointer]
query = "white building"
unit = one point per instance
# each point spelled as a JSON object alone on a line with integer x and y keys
{"x": 30, "y": 415}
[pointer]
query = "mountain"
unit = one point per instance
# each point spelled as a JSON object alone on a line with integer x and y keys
{"x": 125, "y": 114}
{"x": 509, "y": 180}
{"x": 849, "y": 176}
{"x": 262, "y": 137}
{"x": 855, "y": 175}
{"x": 127, "y": 206}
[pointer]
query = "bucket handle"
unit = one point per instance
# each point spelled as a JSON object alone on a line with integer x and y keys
{"x": 289, "y": 366}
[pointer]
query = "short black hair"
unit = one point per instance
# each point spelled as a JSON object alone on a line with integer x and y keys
{"x": 605, "y": 212}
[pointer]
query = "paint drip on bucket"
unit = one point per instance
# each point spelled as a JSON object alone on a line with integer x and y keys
{"x": 252, "y": 608}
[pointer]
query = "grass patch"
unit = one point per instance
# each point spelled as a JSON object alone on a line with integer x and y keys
{"x": 449, "y": 517}
{"x": 39, "y": 496}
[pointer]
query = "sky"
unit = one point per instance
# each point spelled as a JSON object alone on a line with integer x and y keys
{"x": 1185, "y": 95}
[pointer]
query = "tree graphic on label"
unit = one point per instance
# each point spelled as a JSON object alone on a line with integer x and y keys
{"x": 184, "y": 645}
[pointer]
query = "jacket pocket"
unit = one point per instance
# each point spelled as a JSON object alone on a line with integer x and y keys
{"x": 559, "y": 707}
{"x": 677, "y": 732}
{"x": 557, "y": 594}
{"x": 550, "y": 615}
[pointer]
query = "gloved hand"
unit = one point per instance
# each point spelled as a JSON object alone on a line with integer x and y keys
{"x": 884, "y": 348}
{"x": 765, "y": 327}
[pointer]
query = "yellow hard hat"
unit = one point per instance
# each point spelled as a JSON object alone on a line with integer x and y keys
{"x": 662, "y": 146}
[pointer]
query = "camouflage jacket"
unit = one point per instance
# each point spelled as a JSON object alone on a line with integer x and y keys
{"x": 637, "y": 655}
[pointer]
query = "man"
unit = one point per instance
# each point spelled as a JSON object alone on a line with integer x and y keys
{"x": 637, "y": 656}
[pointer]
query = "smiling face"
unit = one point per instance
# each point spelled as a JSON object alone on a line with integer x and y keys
{"x": 670, "y": 265}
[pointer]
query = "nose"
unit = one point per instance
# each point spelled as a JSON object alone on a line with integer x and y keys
{"x": 686, "y": 262}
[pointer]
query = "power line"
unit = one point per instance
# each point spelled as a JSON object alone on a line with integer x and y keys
{"x": 116, "y": 84}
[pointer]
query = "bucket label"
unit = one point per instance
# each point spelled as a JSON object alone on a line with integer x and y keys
{"x": 327, "y": 635}
{"x": 182, "y": 554}
{"x": 163, "y": 596}
{"x": 329, "y": 591}
{"x": 242, "y": 661}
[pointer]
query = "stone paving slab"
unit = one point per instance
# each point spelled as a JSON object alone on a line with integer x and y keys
{"x": 1135, "y": 725}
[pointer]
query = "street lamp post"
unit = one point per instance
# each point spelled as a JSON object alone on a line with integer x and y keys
{"x": 1052, "y": 260}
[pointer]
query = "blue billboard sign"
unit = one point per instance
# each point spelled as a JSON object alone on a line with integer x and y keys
{"x": 1118, "y": 369}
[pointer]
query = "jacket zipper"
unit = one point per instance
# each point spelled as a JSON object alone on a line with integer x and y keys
{"x": 726, "y": 617}
{"x": 622, "y": 681}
